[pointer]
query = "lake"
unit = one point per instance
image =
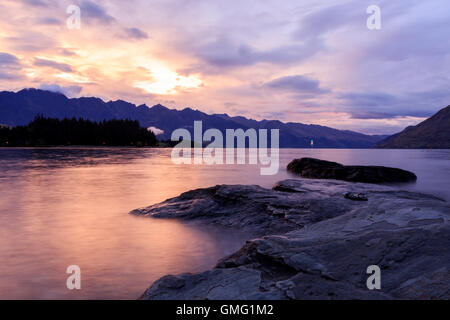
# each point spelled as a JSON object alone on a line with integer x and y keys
{"x": 69, "y": 206}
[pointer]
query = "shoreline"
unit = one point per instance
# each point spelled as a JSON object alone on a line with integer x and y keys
{"x": 312, "y": 243}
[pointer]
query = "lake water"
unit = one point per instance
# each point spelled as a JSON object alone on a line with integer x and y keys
{"x": 61, "y": 207}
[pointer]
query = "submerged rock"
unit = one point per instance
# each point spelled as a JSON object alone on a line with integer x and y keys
{"x": 311, "y": 243}
{"x": 321, "y": 169}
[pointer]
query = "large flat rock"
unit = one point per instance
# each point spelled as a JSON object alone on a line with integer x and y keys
{"x": 312, "y": 243}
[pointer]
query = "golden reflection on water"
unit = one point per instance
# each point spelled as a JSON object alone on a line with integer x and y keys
{"x": 53, "y": 217}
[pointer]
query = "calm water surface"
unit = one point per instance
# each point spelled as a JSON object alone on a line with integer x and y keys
{"x": 61, "y": 207}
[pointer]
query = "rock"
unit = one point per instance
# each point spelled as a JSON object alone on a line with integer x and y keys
{"x": 218, "y": 284}
{"x": 256, "y": 210}
{"x": 321, "y": 169}
{"x": 355, "y": 196}
{"x": 314, "y": 244}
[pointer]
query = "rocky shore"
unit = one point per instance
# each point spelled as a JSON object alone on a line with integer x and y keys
{"x": 311, "y": 242}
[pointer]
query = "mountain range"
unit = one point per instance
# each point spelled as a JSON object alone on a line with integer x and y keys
{"x": 20, "y": 108}
{"x": 432, "y": 133}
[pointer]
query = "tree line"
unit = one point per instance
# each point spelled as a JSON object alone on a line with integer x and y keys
{"x": 44, "y": 131}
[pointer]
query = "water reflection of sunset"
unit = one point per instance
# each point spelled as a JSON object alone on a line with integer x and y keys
{"x": 77, "y": 215}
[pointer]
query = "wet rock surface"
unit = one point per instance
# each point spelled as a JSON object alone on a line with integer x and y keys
{"x": 312, "y": 243}
{"x": 321, "y": 169}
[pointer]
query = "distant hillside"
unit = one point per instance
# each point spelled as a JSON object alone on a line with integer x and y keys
{"x": 20, "y": 108}
{"x": 431, "y": 133}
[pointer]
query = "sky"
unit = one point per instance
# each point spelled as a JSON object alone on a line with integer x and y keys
{"x": 309, "y": 61}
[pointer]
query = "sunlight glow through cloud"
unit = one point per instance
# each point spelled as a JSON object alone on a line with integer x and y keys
{"x": 72, "y": 77}
{"x": 166, "y": 82}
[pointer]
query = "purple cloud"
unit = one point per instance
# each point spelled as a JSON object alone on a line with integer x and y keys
{"x": 225, "y": 53}
{"x": 94, "y": 12}
{"x": 30, "y": 41}
{"x": 35, "y": 3}
{"x": 135, "y": 34}
{"x": 64, "y": 67}
{"x": 49, "y": 21}
{"x": 381, "y": 105}
{"x": 297, "y": 84}
{"x": 10, "y": 67}
{"x": 8, "y": 60}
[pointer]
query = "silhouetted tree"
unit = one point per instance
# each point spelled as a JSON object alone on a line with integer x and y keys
{"x": 44, "y": 131}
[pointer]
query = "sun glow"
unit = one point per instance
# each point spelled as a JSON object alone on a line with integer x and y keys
{"x": 165, "y": 81}
{"x": 72, "y": 77}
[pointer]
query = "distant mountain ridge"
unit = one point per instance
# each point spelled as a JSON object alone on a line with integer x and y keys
{"x": 432, "y": 133}
{"x": 20, "y": 108}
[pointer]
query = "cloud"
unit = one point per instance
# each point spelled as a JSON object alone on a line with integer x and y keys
{"x": 64, "y": 67}
{"x": 49, "y": 21}
{"x": 336, "y": 69}
{"x": 411, "y": 41}
{"x": 8, "y": 60}
{"x": 66, "y": 52}
{"x": 371, "y": 105}
{"x": 35, "y": 3}
{"x": 135, "y": 33}
{"x": 31, "y": 41}
{"x": 10, "y": 67}
{"x": 368, "y": 99}
{"x": 155, "y": 130}
{"x": 225, "y": 53}
{"x": 70, "y": 91}
{"x": 297, "y": 84}
{"x": 382, "y": 105}
{"x": 331, "y": 18}
{"x": 367, "y": 115}
{"x": 94, "y": 12}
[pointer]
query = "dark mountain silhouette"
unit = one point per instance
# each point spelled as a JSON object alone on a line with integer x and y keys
{"x": 431, "y": 133}
{"x": 20, "y": 108}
